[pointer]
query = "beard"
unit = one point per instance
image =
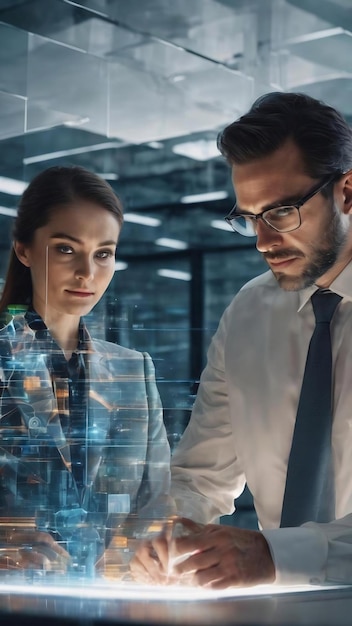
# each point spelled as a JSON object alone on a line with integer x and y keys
{"x": 321, "y": 257}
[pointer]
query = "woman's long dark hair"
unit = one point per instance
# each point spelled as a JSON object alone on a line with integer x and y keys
{"x": 51, "y": 189}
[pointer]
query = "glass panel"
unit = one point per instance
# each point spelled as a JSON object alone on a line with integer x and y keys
{"x": 13, "y": 60}
{"x": 65, "y": 22}
{"x": 311, "y": 47}
{"x": 12, "y": 115}
{"x": 78, "y": 95}
{"x": 156, "y": 81}
{"x": 206, "y": 27}
{"x": 99, "y": 6}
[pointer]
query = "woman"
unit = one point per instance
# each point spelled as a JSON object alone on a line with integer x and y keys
{"x": 82, "y": 442}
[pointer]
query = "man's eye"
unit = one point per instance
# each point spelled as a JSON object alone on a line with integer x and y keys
{"x": 283, "y": 211}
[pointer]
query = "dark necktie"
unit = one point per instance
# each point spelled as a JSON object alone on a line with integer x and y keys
{"x": 309, "y": 493}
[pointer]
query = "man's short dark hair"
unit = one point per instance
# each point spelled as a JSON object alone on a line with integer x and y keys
{"x": 320, "y": 132}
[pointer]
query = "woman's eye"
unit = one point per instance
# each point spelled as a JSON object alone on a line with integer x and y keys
{"x": 104, "y": 254}
{"x": 65, "y": 249}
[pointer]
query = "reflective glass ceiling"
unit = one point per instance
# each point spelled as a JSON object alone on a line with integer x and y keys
{"x": 137, "y": 91}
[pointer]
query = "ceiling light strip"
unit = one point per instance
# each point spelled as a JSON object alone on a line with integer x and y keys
{"x": 176, "y": 274}
{"x": 58, "y": 154}
{"x": 171, "y": 243}
{"x": 204, "y": 197}
{"x": 144, "y": 220}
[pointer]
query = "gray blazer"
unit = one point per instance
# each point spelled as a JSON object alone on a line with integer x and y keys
{"x": 125, "y": 448}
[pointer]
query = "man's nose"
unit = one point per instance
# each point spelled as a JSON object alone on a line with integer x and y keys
{"x": 267, "y": 237}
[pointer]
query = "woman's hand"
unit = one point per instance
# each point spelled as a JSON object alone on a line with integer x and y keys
{"x": 33, "y": 549}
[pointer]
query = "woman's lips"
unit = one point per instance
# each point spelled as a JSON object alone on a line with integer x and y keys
{"x": 80, "y": 294}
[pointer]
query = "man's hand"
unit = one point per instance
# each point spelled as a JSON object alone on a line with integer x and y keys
{"x": 222, "y": 556}
{"x": 150, "y": 563}
{"x": 212, "y": 555}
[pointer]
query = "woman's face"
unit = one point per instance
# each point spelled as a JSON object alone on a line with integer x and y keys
{"x": 71, "y": 259}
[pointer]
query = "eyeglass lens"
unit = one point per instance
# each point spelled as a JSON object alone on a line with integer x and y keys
{"x": 282, "y": 219}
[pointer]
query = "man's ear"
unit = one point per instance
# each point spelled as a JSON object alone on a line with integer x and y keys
{"x": 21, "y": 251}
{"x": 347, "y": 193}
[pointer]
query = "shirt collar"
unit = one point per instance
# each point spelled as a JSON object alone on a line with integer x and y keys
{"x": 36, "y": 323}
{"x": 342, "y": 285}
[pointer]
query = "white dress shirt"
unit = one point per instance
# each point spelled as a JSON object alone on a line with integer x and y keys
{"x": 243, "y": 419}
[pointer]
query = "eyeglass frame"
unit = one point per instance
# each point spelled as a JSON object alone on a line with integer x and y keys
{"x": 296, "y": 205}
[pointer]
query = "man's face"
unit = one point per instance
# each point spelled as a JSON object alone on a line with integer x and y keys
{"x": 301, "y": 257}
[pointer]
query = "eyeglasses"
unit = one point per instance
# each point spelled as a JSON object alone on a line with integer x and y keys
{"x": 282, "y": 218}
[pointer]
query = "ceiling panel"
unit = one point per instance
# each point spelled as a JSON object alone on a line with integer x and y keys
{"x": 336, "y": 91}
{"x": 331, "y": 47}
{"x": 335, "y": 12}
{"x": 66, "y": 83}
{"x": 12, "y": 115}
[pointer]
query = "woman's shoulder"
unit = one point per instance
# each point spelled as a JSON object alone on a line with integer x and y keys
{"x": 115, "y": 350}
{"x": 119, "y": 360}
{"x": 13, "y": 327}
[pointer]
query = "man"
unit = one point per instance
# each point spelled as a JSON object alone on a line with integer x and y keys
{"x": 291, "y": 159}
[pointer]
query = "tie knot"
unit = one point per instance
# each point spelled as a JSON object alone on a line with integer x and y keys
{"x": 324, "y": 304}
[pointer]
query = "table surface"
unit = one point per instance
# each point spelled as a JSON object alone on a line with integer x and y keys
{"x": 107, "y": 603}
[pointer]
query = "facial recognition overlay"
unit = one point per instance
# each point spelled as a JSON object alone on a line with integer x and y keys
{"x": 84, "y": 459}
